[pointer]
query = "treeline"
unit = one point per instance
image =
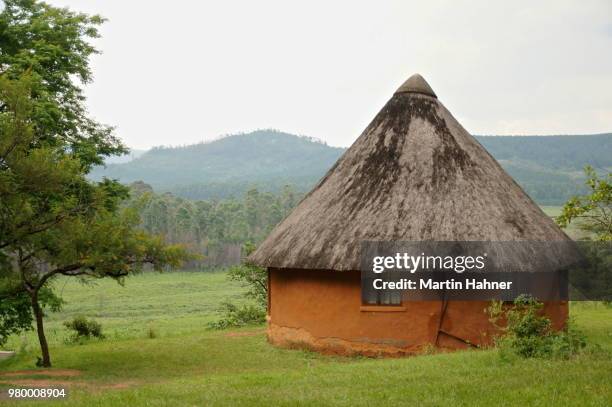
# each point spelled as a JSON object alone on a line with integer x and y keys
{"x": 232, "y": 189}
{"x": 216, "y": 229}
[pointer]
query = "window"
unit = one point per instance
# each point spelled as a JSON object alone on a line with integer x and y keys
{"x": 371, "y": 296}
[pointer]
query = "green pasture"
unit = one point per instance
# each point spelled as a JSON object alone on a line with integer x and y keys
{"x": 170, "y": 303}
{"x": 185, "y": 364}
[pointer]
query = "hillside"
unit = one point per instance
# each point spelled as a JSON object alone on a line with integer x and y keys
{"x": 549, "y": 168}
{"x": 266, "y": 159}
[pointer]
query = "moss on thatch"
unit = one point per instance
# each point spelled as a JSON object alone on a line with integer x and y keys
{"x": 414, "y": 174}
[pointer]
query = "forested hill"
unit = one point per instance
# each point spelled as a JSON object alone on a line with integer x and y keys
{"x": 554, "y": 152}
{"x": 549, "y": 168}
{"x": 266, "y": 159}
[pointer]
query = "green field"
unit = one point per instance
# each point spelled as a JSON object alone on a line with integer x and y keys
{"x": 186, "y": 364}
{"x": 167, "y": 303}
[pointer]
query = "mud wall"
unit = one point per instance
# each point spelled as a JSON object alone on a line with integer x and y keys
{"x": 322, "y": 310}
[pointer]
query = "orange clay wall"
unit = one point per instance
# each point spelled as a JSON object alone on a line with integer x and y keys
{"x": 321, "y": 310}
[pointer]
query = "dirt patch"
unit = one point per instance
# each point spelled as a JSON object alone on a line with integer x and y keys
{"x": 118, "y": 386}
{"x": 42, "y": 383}
{"x": 43, "y": 372}
{"x": 240, "y": 334}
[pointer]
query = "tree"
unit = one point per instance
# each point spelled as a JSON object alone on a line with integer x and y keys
{"x": 84, "y": 231}
{"x": 16, "y": 308}
{"x": 105, "y": 243}
{"x": 592, "y": 212}
{"x": 52, "y": 44}
{"x": 53, "y": 221}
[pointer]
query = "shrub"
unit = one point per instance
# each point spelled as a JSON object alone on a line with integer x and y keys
{"x": 528, "y": 334}
{"x": 238, "y": 316}
{"x": 84, "y": 328}
{"x": 254, "y": 278}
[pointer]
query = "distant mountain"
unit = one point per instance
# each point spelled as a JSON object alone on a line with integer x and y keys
{"x": 266, "y": 159}
{"x": 554, "y": 152}
{"x": 549, "y": 168}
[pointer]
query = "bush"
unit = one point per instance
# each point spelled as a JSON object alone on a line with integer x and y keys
{"x": 528, "y": 334}
{"x": 254, "y": 278}
{"x": 84, "y": 328}
{"x": 234, "y": 316}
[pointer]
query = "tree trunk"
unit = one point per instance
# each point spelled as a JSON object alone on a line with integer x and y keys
{"x": 44, "y": 347}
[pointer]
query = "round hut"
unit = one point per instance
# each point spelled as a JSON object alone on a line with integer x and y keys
{"x": 414, "y": 174}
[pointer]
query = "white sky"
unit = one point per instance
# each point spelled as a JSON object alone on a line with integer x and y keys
{"x": 179, "y": 72}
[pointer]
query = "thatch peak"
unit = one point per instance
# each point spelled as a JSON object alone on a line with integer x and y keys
{"x": 416, "y": 84}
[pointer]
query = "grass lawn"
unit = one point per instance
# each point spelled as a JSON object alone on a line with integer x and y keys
{"x": 186, "y": 364}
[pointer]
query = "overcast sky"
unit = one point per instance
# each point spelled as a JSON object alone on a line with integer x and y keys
{"x": 180, "y": 72}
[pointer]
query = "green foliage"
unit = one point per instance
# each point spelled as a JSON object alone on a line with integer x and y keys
{"x": 15, "y": 311}
{"x": 53, "y": 46}
{"x": 211, "y": 227}
{"x": 16, "y": 307}
{"x": 53, "y": 220}
{"x": 84, "y": 328}
{"x": 235, "y": 316}
{"x": 253, "y": 278}
{"x": 528, "y": 334}
{"x": 593, "y": 212}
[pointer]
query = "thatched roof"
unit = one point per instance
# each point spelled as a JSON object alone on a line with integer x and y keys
{"x": 414, "y": 174}
{"x": 416, "y": 84}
